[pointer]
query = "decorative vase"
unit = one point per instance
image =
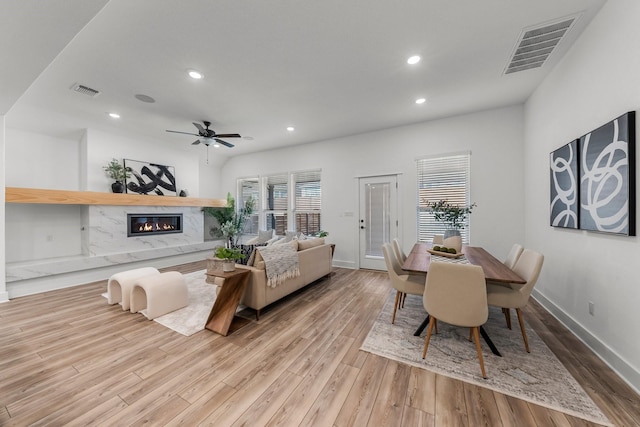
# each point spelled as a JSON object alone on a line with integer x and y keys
{"x": 450, "y": 232}
{"x": 228, "y": 266}
{"x": 117, "y": 187}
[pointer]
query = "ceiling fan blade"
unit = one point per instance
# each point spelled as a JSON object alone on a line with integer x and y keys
{"x": 199, "y": 126}
{"x": 225, "y": 143}
{"x": 186, "y": 133}
{"x": 196, "y": 142}
{"x": 228, "y": 135}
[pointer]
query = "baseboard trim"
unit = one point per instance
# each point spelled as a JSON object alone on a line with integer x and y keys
{"x": 621, "y": 367}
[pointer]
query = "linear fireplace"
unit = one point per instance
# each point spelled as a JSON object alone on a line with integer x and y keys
{"x": 153, "y": 224}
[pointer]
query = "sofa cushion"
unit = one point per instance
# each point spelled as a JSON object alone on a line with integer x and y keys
{"x": 263, "y": 236}
{"x": 310, "y": 243}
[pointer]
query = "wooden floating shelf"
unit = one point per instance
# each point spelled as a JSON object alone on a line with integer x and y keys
{"x": 66, "y": 197}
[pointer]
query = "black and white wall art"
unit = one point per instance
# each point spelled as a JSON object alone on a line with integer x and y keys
{"x": 564, "y": 186}
{"x": 607, "y": 177}
{"x": 150, "y": 178}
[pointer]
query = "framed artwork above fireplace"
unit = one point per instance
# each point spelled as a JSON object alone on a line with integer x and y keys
{"x": 150, "y": 178}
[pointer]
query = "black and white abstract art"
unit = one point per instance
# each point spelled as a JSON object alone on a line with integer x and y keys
{"x": 564, "y": 186}
{"x": 607, "y": 177}
{"x": 150, "y": 178}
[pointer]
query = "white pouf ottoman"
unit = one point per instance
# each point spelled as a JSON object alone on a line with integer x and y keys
{"x": 120, "y": 284}
{"x": 159, "y": 294}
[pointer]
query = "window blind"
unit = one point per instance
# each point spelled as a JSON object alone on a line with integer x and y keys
{"x": 308, "y": 201}
{"x": 442, "y": 178}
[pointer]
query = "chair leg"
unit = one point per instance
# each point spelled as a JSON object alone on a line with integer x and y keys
{"x": 432, "y": 321}
{"x": 395, "y": 306}
{"x": 404, "y": 297}
{"x": 507, "y": 316}
{"x": 524, "y": 333}
{"x": 476, "y": 336}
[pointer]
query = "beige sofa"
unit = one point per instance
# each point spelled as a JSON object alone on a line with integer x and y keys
{"x": 314, "y": 262}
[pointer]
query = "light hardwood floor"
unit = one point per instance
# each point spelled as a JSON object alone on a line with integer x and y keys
{"x": 68, "y": 358}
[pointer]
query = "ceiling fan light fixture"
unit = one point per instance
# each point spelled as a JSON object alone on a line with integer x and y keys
{"x": 216, "y": 145}
{"x": 194, "y": 74}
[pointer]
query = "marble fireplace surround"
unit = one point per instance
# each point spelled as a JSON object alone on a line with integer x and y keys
{"x": 104, "y": 231}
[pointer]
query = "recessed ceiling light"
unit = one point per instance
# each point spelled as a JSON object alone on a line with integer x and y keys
{"x": 114, "y": 115}
{"x": 291, "y": 128}
{"x": 195, "y": 74}
{"x": 413, "y": 60}
{"x": 420, "y": 101}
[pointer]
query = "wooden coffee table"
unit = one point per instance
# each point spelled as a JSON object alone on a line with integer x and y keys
{"x": 222, "y": 318}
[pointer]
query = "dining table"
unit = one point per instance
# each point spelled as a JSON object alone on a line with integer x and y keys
{"x": 419, "y": 259}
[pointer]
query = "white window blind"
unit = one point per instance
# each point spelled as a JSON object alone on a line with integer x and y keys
{"x": 276, "y": 202}
{"x": 308, "y": 201}
{"x": 442, "y": 178}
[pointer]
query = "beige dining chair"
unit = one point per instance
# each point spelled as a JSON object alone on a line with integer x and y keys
{"x": 516, "y": 296}
{"x": 456, "y": 294}
{"x": 438, "y": 239}
{"x": 402, "y": 282}
{"x": 513, "y": 255}
{"x": 397, "y": 248}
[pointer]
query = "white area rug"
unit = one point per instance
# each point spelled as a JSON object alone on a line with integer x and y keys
{"x": 192, "y": 318}
{"x": 537, "y": 377}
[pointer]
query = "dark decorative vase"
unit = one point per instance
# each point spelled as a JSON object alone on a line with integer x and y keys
{"x": 117, "y": 187}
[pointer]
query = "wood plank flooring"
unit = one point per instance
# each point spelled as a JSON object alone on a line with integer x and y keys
{"x": 69, "y": 358}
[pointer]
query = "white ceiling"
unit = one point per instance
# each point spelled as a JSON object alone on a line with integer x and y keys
{"x": 330, "y": 68}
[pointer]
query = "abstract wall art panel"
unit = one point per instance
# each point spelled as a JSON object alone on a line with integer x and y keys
{"x": 564, "y": 208}
{"x": 150, "y": 178}
{"x": 607, "y": 177}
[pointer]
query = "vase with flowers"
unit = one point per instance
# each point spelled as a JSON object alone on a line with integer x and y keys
{"x": 452, "y": 216}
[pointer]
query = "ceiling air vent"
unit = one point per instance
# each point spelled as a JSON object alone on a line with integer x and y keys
{"x": 536, "y": 44}
{"x": 86, "y": 90}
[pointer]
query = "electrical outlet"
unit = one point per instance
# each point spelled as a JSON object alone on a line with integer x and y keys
{"x": 592, "y": 308}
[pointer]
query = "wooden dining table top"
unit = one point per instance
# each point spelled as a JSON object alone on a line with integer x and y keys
{"x": 418, "y": 261}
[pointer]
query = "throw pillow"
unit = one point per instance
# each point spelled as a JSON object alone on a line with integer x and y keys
{"x": 310, "y": 243}
{"x": 263, "y": 236}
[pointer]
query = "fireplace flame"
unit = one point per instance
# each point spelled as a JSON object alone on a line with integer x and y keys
{"x": 154, "y": 226}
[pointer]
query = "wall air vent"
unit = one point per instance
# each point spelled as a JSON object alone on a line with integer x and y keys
{"x": 86, "y": 90}
{"x": 536, "y": 44}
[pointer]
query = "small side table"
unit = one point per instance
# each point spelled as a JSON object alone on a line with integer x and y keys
{"x": 222, "y": 318}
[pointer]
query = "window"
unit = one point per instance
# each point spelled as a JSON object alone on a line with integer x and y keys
{"x": 308, "y": 198}
{"x": 276, "y": 203}
{"x": 442, "y": 178}
{"x": 250, "y": 188}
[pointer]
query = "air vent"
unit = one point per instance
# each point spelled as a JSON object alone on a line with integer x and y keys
{"x": 86, "y": 90}
{"x": 536, "y": 44}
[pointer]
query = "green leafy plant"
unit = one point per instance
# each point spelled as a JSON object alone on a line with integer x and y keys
{"x": 320, "y": 233}
{"x": 453, "y": 216}
{"x": 231, "y": 221}
{"x": 116, "y": 171}
{"x": 228, "y": 254}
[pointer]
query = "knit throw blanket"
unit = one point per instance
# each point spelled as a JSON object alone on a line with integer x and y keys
{"x": 280, "y": 262}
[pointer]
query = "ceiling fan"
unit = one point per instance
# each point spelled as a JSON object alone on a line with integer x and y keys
{"x": 208, "y": 136}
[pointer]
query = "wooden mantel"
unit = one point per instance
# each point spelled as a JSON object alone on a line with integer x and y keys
{"x": 66, "y": 197}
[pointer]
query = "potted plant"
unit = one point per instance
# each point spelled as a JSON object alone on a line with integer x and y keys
{"x": 118, "y": 173}
{"x": 452, "y": 216}
{"x": 229, "y": 256}
{"x": 231, "y": 222}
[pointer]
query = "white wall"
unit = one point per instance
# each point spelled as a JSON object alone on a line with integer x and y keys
{"x": 596, "y": 82}
{"x": 495, "y": 138}
{"x": 4, "y": 296}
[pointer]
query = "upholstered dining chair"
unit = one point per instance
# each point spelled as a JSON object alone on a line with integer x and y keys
{"x": 397, "y": 248}
{"x": 438, "y": 239}
{"x": 402, "y": 282}
{"x": 513, "y": 255}
{"x": 456, "y": 294}
{"x": 516, "y": 296}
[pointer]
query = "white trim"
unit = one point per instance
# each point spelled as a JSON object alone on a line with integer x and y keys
{"x": 620, "y": 366}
